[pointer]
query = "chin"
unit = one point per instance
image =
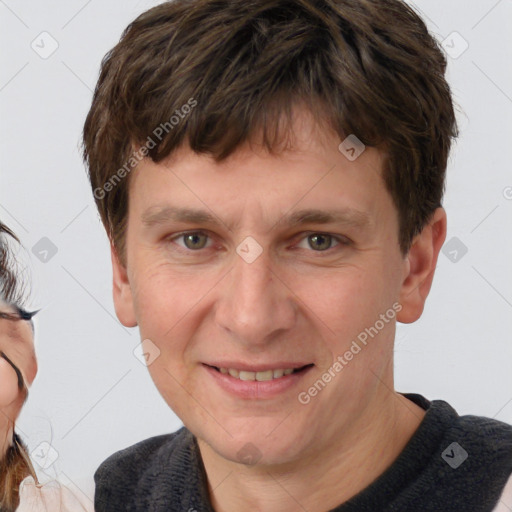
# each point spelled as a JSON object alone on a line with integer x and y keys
{"x": 257, "y": 447}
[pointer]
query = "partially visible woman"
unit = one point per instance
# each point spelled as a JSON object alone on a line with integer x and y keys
{"x": 18, "y": 368}
{"x": 20, "y": 489}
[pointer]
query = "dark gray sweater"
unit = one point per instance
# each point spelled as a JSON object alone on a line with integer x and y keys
{"x": 166, "y": 474}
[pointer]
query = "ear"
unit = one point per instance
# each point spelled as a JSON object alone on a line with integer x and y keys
{"x": 122, "y": 292}
{"x": 420, "y": 264}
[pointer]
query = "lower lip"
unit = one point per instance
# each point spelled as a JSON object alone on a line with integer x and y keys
{"x": 253, "y": 389}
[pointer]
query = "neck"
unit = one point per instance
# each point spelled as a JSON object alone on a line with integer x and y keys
{"x": 321, "y": 482}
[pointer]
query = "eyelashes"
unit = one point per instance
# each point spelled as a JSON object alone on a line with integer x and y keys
{"x": 21, "y": 382}
{"x": 21, "y": 314}
{"x": 24, "y": 314}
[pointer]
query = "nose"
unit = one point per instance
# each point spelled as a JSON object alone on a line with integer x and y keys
{"x": 255, "y": 306}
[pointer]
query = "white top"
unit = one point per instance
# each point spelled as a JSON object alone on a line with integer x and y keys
{"x": 51, "y": 497}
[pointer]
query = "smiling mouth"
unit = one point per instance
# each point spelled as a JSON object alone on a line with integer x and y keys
{"x": 261, "y": 376}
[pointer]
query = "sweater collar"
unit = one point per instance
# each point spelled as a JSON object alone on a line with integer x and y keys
{"x": 406, "y": 467}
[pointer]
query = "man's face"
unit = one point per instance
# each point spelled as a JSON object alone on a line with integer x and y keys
{"x": 207, "y": 299}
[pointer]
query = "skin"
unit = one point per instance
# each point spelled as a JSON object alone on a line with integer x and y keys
{"x": 293, "y": 303}
{"x": 17, "y": 342}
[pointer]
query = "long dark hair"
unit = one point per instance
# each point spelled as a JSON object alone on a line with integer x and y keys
{"x": 16, "y": 464}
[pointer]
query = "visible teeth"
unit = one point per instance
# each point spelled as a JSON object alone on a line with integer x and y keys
{"x": 268, "y": 375}
{"x": 259, "y": 376}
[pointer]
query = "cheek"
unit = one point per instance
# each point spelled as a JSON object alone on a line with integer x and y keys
{"x": 168, "y": 311}
{"x": 31, "y": 371}
{"x": 342, "y": 299}
{"x": 348, "y": 305}
{"x": 29, "y": 365}
{"x": 8, "y": 383}
{"x": 167, "y": 301}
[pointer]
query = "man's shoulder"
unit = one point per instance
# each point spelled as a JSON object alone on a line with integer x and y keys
{"x": 488, "y": 433}
{"x": 141, "y": 454}
{"x": 481, "y": 445}
{"x": 455, "y": 461}
{"x": 125, "y": 473}
{"x": 474, "y": 461}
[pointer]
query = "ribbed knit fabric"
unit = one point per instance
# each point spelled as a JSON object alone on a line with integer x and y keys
{"x": 163, "y": 473}
{"x": 166, "y": 474}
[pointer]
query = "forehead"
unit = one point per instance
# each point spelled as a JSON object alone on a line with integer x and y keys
{"x": 313, "y": 184}
{"x": 308, "y": 155}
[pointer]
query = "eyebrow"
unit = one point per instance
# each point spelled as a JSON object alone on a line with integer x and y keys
{"x": 349, "y": 216}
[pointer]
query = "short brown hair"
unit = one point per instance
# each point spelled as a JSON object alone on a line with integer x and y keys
{"x": 363, "y": 67}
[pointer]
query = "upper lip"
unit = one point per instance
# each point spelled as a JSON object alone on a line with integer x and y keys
{"x": 251, "y": 367}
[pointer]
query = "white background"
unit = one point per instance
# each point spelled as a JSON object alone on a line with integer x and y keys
{"x": 92, "y": 396}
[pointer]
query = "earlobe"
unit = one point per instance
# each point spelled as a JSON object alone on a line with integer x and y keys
{"x": 122, "y": 293}
{"x": 420, "y": 266}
